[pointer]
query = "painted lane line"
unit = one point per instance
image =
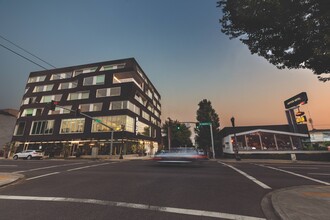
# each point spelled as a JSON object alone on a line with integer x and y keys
{"x": 48, "y": 174}
{"x": 247, "y": 176}
{"x": 320, "y": 174}
{"x": 49, "y": 167}
{"x": 295, "y": 174}
{"x": 304, "y": 168}
{"x": 80, "y": 168}
{"x": 191, "y": 212}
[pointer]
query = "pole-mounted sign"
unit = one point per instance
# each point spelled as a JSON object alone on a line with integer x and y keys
{"x": 296, "y": 100}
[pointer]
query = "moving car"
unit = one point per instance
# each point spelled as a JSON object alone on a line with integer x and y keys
{"x": 179, "y": 156}
{"x": 28, "y": 154}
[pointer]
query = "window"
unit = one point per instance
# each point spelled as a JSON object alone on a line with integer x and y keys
{"x": 94, "y": 80}
{"x": 36, "y": 79}
{"x": 68, "y": 85}
{"x": 99, "y": 80}
{"x": 151, "y": 108}
{"x": 134, "y": 108}
{"x": 46, "y": 99}
{"x": 29, "y": 100}
{"x": 96, "y": 107}
{"x": 113, "y": 67}
{"x": 140, "y": 99}
{"x": 88, "y": 81}
{"x": 49, "y": 98}
{"x": 143, "y": 129}
{"x": 126, "y": 78}
{"x": 115, "y": 91}
{"x": 117, "y": 105}
{"x": 43, "y": 88}
{"x": 78, "y": 95}
{"x": 157, "y": 114}
{"x": 149, "y": 93}
{"x": 57, "y": 76}
{"x": 115, "y": 122}
{"x": 90, "y": 107}
{"x": 32, "y": 112}
{"x": 145, "y": 115}
{"x": 60, "y": 110}
{"x": 101, "y": 93}
{"x": 42, "y": 127}
{"x": 72, "y": 126}
{"x": 83, "y": 71}
{"x": 19, "y": 128}
{"x": 156, "y": 96}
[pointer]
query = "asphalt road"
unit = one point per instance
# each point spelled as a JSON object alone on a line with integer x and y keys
{"x": 80, "y": 189}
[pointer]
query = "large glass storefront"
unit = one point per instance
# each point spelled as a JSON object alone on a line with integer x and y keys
{"x": 86, "y": 148}
{"x": 266, "y": 141}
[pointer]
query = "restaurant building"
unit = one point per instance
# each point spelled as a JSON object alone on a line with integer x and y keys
{"x": 119, "y": 111}
{"x": 263, "y": 139}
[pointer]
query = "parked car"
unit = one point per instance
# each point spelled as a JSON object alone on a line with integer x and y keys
{"x": 179, "y": 156}
{"x": 28, "y": 154}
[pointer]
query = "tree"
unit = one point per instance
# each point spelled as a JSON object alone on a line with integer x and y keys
{"x": 179, "y": 133}
{"x": 206, "y": 113}
{"x": 288, "y": 33}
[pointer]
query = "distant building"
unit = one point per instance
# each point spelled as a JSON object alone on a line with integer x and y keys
{"x": 115, "y": 93}
{"x": 262, "y": 139}
{"x": 7, "y": 125}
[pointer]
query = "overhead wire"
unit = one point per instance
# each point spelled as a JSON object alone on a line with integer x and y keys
{"x": 35, "y": 56}
{"x": 24, "y": 57}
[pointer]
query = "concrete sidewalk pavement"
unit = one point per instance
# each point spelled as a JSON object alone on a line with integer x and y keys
{"x": 302, "y": 202}
{"x": 9, "y": 178}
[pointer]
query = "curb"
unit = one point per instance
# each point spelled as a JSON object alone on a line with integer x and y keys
{"x": 9, "y": 178}
{"x": 268, "y": 208}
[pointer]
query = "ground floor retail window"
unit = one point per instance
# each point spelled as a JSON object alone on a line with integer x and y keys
{"x": 115, "y": 122}
{"x": 72, "y": 126}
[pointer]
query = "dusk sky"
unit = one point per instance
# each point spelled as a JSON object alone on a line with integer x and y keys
{"x": 178, "y": 44}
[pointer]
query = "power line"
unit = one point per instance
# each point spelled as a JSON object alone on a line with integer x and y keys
{"x": 27, "y": 51}
{"x": 23, "y": 57}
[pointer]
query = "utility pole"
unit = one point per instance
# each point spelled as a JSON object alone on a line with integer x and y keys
{"x": 237, "y": 157}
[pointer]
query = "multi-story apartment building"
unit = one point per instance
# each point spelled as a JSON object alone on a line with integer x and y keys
{"x": 116, "y": 93}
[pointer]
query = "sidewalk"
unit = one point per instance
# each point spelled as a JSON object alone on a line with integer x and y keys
{"x": 302, "y": 202}
{"x": 8, "y": 178}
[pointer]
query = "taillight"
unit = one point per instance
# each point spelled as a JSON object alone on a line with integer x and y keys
{"x": 156, "y": 158}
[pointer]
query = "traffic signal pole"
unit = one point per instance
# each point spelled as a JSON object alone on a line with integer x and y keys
{"x": 212, "y": 141}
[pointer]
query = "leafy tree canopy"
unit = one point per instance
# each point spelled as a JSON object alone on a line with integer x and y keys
{"x": 288, "y": 33}
{"x": 179, "y": 134}
{"x": 206, "y": 113}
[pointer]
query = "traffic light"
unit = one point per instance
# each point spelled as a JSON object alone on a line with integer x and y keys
{"x": 52, "y": 105}
{"x": 197, "y": 126}
{"x": 299, "y": 113}
{"x": 178, "y": 127}
{"x": 301, "y": 119}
